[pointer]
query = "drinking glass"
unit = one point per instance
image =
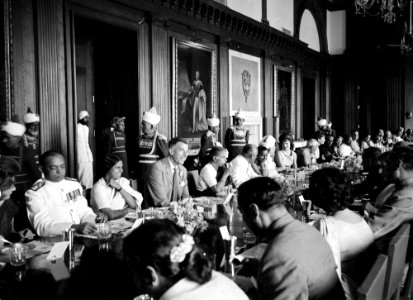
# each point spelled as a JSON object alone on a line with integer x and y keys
{"x": 248, "y": 237}
{"x": 104, "y": 231}
{"x": 17, "y": 255}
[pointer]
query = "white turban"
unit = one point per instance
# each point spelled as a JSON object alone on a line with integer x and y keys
{"x": 31, "y": 118}
{"x": 151, "y": 116}
{"x": 268, "y": 141}
{"x": 12, "y": 128}
{"x": 240, "y": 114}
{"x": 83, "y": 114}
{"x": 322, "y": 122}
{"x": 213, "y": 122}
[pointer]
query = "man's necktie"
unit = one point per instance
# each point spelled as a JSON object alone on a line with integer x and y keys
{"x": 175, "y": 185}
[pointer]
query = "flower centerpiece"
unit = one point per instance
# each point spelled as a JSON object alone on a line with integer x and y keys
{"x": 185, "y": 214}
{"x": 352, "y": 164}
{"x": 287, "y": 184}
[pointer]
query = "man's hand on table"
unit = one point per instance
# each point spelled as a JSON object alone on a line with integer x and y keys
{"x": 84, "y": 228}
{"x": 101, "y": 218}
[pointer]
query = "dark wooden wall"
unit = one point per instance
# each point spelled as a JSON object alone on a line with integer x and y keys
{"x": 44, "y": 60}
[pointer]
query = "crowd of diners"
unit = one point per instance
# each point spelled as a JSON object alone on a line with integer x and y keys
{"x": 325, "y": 259}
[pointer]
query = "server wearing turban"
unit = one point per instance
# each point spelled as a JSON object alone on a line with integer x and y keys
{"x": 84, "y": 154}
{"x": 237, "y": 136}
{"x": 209, "y": 140}
{"x": 12, "y": 146}
{"x": 151, "y": 145}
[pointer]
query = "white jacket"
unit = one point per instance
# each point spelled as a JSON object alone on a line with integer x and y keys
{"x": 53, "y": 207}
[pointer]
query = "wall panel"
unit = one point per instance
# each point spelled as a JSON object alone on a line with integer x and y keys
{"x": 161, "y": 86}
{"x": 51, "y": 72}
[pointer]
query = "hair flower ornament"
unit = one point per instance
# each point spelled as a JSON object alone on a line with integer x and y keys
{"x": 179, "y": 252}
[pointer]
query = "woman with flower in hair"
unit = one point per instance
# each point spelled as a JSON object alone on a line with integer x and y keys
{"x": 169, "y": 266}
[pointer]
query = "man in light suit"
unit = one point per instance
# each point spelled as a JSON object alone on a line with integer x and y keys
{"x": 163, "y": 185}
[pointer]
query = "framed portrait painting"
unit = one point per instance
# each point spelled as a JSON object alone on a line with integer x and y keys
{"x": 245, "y": 83}
{"x": 194, "y": 89}
{"x": 284, "y": 98}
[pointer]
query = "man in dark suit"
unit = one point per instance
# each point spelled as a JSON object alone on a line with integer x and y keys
{"x": 166, "y": 179}
{"x": 297, "y": 263}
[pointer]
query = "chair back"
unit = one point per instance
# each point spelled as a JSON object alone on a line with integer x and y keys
{"x": 193, "y": 177}
{"x": 407, "y": 292}
{"x": 372, "y": 287}
{"x": 397, "y": 257}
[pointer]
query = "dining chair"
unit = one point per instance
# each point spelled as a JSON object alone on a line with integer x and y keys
{"x": 372, "y": 287}
{"x": 396, "y": 252}
{"x": 192, "y": 178}
{"x": 407, "y": 292}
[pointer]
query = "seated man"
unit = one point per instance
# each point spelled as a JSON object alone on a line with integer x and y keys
{"x": 327, "y": 150}
{"x": 55, "y": 203}
{"x": 308, "y": 155}
{"x": 241, "y": 168}
{"x": 166, "y": 179}
{"x": 298, "y": 262}
{"x": 394, "y": 205}
{"x": 210, "y": 182}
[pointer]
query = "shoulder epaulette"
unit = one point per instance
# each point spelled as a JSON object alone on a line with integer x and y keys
{"x": 38, "y": 185}
{"x": 71, "y": 179}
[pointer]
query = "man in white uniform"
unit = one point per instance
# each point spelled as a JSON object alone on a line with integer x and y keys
{"x": 241, "y": 168}
{"x": 55, "y": 203}
{"x": 84, "y": 154}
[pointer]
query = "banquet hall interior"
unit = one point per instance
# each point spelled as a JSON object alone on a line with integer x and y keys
{"x": 291, "y": 68}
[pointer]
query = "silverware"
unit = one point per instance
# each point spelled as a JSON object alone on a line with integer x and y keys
{"x": 6, "y": 241}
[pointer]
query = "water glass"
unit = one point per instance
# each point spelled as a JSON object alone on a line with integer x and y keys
{"x": 17, "y": 255}
{"x": 248, "y": 237}
{"x": 104, "y": 231}
{"x": 143, "y": 297}
{"x": 208, "y": 213}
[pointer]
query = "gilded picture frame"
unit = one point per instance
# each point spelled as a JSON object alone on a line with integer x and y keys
{"x": 194, "y": 89}
{"x": 245, "y": 83}
{"x": 284, "y": 98}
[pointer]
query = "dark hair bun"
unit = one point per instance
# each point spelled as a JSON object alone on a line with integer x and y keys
{"x": 198, "y": 267}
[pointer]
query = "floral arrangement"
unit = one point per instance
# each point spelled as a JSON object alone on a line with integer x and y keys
{"x": 352, "y": 164}
{"x": 185, "y": 214}
{"x": 287, "y": 184}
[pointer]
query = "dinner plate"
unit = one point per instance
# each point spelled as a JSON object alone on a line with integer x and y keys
{"x": 205, "y": 200}
{"x": 27, "y": 247}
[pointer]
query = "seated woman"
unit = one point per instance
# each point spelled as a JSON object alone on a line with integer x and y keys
{"x": 347, "y": 232}
{"x": 344, "y": 150}
{"x": 112, "y": 194}
{"x": 285, "y": 157}
{"x": 376, "y": 179}
{"x": 168, "y": 265}
{"x": 365, "y": 143}
{"x": 264, "y": 164}
{"x": 8, "y": 208}
{"x": 209, "y": 182}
